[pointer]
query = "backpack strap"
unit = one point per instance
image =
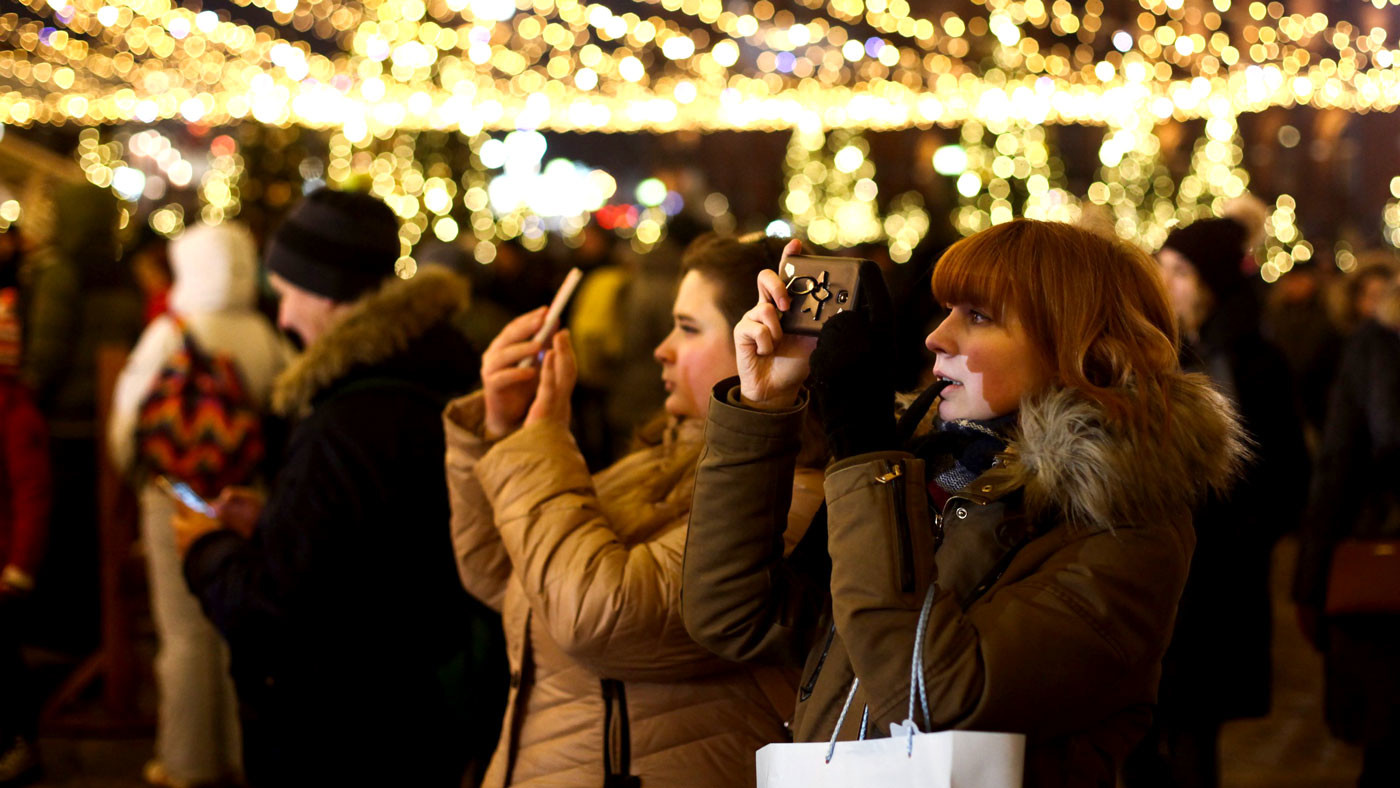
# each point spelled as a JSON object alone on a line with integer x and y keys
{"x": 198, "y": 358}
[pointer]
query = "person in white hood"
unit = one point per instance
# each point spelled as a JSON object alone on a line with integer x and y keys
{"x": 214, "y": 294}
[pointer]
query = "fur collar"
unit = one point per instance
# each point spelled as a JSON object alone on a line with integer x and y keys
{"x": 1098, "y": 472}
{"x": 379, "y": 325}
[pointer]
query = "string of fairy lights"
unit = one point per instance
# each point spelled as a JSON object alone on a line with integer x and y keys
{"x": 378, "y": 75}
{"x": 570, "y": 65}
{"x": 1391, "y": 216}
{"x": 831, "y": 195}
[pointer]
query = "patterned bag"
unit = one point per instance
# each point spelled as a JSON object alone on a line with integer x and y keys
{"x": 198, "y": 424}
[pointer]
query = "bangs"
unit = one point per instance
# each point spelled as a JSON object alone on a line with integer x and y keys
{"x": 981, "y": 271}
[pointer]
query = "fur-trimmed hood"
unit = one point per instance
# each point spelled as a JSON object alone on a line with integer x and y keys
{"x": 378, "y": 326}
{"x": 1099, "y": 472}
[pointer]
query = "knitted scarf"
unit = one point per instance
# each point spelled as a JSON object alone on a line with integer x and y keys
{"x": 961, "y": 450}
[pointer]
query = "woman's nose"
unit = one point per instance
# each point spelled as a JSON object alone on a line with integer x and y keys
{"x": 940, "y": 341}
{"x": 662, "y": 353}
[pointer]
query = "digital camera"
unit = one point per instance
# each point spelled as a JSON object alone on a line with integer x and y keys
{"x": 819, "y": 287}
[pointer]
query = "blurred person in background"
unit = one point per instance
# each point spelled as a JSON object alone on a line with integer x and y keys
{"x": 78, "y": 295}
{"x": 1356, "y": 494}
{"x": 1296, "y": 320}
{"x": 214, "y": 298}
{"x": 25, "y": 497}
{"x": 357, "y": 657}
{"x": 1358, "y": 296}
{"x": 517, "y": 278}
{"x": 150, "y": 266}
{"x": 1218, "y": 666}
{"x": 483, "y": 319}
{"x": 606, "y": 686}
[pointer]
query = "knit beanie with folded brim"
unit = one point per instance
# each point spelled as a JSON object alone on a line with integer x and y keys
{"x": 336, "y": 244}
{"x": 1216, "y": 249}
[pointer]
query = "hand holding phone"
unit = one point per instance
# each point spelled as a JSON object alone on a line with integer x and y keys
{"x": 551, "y": 318}
{"x": 186, "y": 495}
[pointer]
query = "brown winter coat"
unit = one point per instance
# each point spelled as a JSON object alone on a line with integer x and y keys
{"x": 586, "y": 572}
{"x": 1061, "y": 639}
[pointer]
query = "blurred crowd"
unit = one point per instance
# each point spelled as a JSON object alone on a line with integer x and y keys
{"x": 420, "y": 544}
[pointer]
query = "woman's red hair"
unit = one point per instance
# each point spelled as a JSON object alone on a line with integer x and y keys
{"x": 1094, "y": 308}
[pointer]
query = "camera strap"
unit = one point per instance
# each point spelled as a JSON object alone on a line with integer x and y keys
{"x": 916, "y": 411}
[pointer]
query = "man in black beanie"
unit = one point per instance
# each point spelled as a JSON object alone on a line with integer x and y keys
{"x": 350, "y": 634}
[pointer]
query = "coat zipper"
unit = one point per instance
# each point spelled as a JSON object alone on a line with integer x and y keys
{"x": 895, "y": 478}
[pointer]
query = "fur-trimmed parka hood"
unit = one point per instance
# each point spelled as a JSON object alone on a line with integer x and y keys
{"x": 1095, "y": 471}
{"x": 378, "y": 326}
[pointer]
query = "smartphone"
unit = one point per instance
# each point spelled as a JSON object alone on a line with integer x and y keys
{"x": 551, "y": 318}
{"x": 185, "y": 494}
{"x": 819, "y": 287}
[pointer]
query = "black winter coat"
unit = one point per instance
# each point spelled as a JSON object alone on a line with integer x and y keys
{"x": 350, "y": 633}
{"x": 1219, "y": 666}
{"x": 1356, "y": 493}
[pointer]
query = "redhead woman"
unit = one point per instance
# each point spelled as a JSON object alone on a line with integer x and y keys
{"x": 1045, "y": 514}
{"x": 606, "y": 685}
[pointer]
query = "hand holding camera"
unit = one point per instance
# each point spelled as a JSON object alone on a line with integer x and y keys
{"x": 772, "y": 363}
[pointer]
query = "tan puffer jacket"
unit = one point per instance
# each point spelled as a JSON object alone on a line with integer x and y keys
{"x": 586, "y": 572}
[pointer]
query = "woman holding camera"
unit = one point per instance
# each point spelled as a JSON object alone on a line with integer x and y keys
{"x": 606, "y": 685}
{"x": 1048, "y": 506}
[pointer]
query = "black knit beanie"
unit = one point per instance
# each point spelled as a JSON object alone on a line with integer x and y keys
{"x": 1215, "y": 248}
{"x": 336, "y": 244}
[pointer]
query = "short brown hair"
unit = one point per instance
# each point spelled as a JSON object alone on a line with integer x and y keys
{"x": 732, "y": 266}
{"x": 1094, "y": 308}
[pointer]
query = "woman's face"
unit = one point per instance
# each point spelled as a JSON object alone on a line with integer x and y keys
{"x": 991, "y": 363}
{"x": 1184, "y": 288}
{"x": 699, "y": 351}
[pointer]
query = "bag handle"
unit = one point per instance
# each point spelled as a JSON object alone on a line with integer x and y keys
{"x": 841, "y": 720}
{"x": 917, "y": 686}
{"x": 916, "y": 673}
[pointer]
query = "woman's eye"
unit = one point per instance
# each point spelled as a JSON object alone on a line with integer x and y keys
{"x": 688, "y": 329}
{"x": 978, "y": 317}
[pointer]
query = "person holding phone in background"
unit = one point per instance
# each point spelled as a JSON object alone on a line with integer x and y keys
{"x": 214, "y": 298}
{"x": 1043, "y": 521}
{"x": 357, "y": 656}
{"x": 606, "y": 686}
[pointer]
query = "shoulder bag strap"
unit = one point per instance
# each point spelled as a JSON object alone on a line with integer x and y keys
{"x": 617, "y": 775}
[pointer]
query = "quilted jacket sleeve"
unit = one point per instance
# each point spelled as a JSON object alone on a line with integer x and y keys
{"x": 612, "y": 606}
{"x": 482, "y": 561}
{"x": 1077, "y": 624}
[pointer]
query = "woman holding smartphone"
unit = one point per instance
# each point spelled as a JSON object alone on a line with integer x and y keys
{"x": 1043, "y": 520}
{"x": 606, "y": 685}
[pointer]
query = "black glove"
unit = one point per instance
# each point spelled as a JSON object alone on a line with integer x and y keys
{"x": 852, "y": 374}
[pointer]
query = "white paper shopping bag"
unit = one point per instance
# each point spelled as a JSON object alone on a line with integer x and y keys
{"x": 949, "y": 759}
{"x": 907, "y": 759}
